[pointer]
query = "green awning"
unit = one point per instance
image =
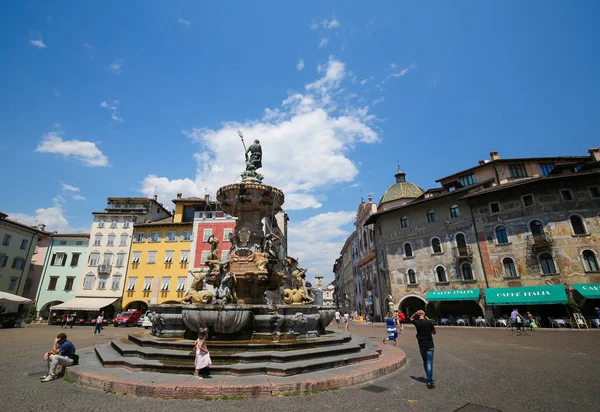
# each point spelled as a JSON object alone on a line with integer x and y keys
{"x": 459, "y": 294}
{"x": 588, "y": 290}
{"x": 526, "y": 295}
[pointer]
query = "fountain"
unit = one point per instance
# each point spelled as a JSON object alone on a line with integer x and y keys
{"x": 247, "y": 335}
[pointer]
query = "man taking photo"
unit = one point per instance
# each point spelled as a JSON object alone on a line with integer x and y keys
{"x": 425, "y": 332}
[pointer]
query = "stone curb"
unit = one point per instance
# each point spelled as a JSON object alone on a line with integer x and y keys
{"x": 151, "y": 384}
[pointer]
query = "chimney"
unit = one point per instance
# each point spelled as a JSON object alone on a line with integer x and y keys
{"x": 155, "y": 197}
{"x": 481, "y": 162}
{"x": 178, "y": 195}
{"x": 42, "y": 227}
{"x": 494, "y": 156}
{"x": 207, "y": 197}
{"x": 595, "y": 153}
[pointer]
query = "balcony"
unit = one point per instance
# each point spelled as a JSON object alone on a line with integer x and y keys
{"x": 104, "y": 269}
{"x": 540, "y": 242}
{"x": 462, "y": 252}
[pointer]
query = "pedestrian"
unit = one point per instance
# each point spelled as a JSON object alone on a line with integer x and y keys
{"x": 202, "y": 356}
{"x": 392, "y": 332}
{"x": 347, "y": 321}
{"x": 98, "y": 326}
{"x": 338, "y": 315}
{"x": 69, "y": 323}
{"x": 63, "y": 323}
{"x": 597, "y": 313}
{"x": 401, "y": 318}
{"x": 425, "y": 332}
{"x": 62, "y": 353}
{"x": 516, "y": 319}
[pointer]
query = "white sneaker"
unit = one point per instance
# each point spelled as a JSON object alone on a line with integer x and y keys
{"x": 48, "y": 378}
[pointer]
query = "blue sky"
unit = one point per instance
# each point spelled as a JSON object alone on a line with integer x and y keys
{"x": 129, "y": 98}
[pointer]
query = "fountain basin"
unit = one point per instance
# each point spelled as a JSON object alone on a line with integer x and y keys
{"x": 218, "y": 319}
{"x": 250, "y": 197}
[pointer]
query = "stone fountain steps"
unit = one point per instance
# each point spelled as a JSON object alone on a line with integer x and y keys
{"x": 218, "y": 356}
{"x": 109, "y": 356}
{"x": 146, "y": 340}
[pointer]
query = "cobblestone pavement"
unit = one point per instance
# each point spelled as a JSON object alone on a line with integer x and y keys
{"x": 551, "y": 371}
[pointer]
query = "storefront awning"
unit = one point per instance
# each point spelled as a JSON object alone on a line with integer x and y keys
{"x": 588, "y": 290}
{"x": 526, "y": 295}
{"x": 9, "y": 297}
{"x": 447, "y": 295}
{"x": 85, "y": 304}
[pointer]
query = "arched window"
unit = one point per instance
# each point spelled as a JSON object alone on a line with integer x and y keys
{"x": 435, "y": 245}
{"x": 454, "y": 212}
{"x": 467, "y": 271}
{"x": 501, "y": 235}
{"x": 441, "y": 274}
{"x": 577, "y": 225}
{"x": 412, "y": 278}
{"x": 404, "y": 222}
{"x": 461, "y": 244}
{"x": 589, "y": 261}
{"x": 430, "y": 216}
{"x": 537, "y": 229}
{"x": 547, "y": 263}
{"x": 408, "y": 250}
{"x": 509, "y": 268}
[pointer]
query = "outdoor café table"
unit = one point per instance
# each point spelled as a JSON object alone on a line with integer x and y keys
{"x": 462, "y": 321}
{"x": 444, "y": 321}
{"x": 595, "y": 322}
{"x": 480, "y": 322}
{"x": 501, "y": 322}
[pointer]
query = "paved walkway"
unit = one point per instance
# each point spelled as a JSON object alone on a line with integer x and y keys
{"x": 551, "y": 371}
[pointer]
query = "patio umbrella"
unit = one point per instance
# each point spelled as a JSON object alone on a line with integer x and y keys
{"x": 9, "y": 297}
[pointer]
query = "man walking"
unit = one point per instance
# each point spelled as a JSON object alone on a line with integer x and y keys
{"x": 62, "y": 353}
{"x": 425, "y": 332}
{"x": 337, "y": 318}
{"x": 98, "y": 326}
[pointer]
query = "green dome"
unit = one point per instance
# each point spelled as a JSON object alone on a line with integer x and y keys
{"x": 401, "y": 189}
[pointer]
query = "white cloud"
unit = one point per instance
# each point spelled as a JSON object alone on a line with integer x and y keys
{"x": 184, "y": 22}
{"x": 305, "y": 143}
{"x": 85, "y": 152}
{"x": 314, "y": 25}
{"x": 300, "y": 64}
{"x": 323, "y": 42}
{"x": 116, "y": 67}
{"x": 402, "y": 72}
{"x": 69, "y": 188}
{"x": 78, "y": 197}
{"x": 38, "y": 43}
{"x": 378, "y": 101}
{"x": 53, "y": 217}
{"x": 113, "y": 109}
{"x": 330, "y": 24}
{"x": 87, "y": 45}
{"x": 318, "y": 240}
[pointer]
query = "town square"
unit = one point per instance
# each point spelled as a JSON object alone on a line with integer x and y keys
{"x": 300, "y": 206}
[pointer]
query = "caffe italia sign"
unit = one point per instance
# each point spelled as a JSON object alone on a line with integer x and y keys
{"x": 527, "y": 295}
{"x": 459, "y": 294}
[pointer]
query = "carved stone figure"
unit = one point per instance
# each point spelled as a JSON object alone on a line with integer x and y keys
{"x": 226, "y": 292}
{"x": 214, "y": 244}
{"x": 158, "y": 322}
{"x": 270, "y": 246}
{"x": 195, "y": 294}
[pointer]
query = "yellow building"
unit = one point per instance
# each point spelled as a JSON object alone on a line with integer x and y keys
{"x": 162, "y": 253}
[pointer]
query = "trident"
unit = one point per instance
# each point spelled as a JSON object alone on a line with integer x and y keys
{"x": 241, "y": 135}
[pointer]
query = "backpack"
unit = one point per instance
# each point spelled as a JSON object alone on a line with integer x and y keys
{"x": 75, "y": 358}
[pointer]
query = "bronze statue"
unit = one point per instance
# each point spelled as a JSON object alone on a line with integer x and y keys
{"x": 301, "y": 293}
{"x": 214, "y": 244}
{"x": 269, "y": 246}
{"x": 226, "y": 292}
{"x": 253, "y": 161}
{"x": 195, "y": 294}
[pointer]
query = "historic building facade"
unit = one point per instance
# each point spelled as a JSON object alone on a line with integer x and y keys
{"x": 61, "y": 269}
{"x": 17, "y": 245}
{"x": 108, "y": 253}
{"x": 530, "y": 225}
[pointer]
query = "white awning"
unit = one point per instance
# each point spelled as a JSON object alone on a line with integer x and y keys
{"x": 87, "y": 304}
{"x": 9, "y": 297}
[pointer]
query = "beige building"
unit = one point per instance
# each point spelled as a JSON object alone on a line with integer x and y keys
{"x": 18, "y": 242}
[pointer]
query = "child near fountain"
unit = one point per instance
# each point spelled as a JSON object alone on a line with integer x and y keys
{"x": 202, "y": 356}
{"x": 392, "y": 332}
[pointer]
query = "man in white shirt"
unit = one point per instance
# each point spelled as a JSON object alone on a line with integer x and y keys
{"x": 338, "y": 316}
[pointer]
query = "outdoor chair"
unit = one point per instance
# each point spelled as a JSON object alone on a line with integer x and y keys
{"x": 481, "y": 322}
{"x": 463, "y": 321}
{"x": 594, "y": 322}
{"x": 445, "y": 321}
{"x": 500, "y": 322}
